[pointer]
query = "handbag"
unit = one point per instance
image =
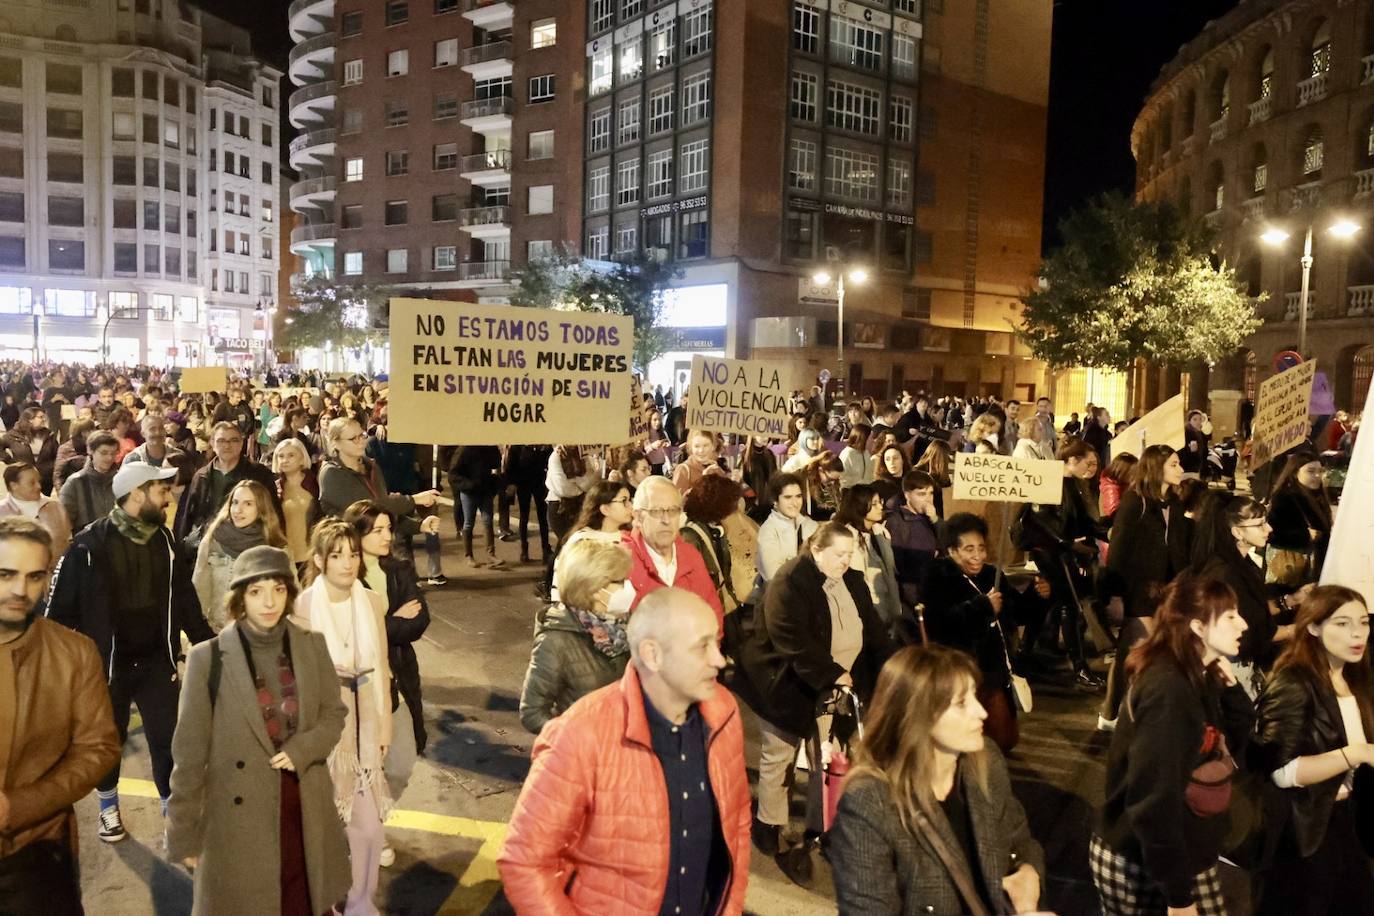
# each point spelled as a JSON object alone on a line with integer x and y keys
{"x": 1020, "y": 687}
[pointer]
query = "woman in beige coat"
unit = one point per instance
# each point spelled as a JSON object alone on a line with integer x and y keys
{"x": 25, "y": 497}
{"x": 251, "y": 793}
{"x": 352, "y": 620}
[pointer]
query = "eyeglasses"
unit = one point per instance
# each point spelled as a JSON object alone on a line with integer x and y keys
{"x": 1257, "y": 523}
{"x": 663, "y": 515}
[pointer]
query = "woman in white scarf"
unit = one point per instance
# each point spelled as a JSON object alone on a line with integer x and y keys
{"x": 352, "y": 620}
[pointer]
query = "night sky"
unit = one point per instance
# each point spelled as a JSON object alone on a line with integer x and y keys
{"x": 1105, "y": 55}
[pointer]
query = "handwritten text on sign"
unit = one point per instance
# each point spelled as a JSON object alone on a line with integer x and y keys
{"x": 1281, "y": 415}
{"x": 747, "y": 397}
{"x": 998, "y": 478}
{"x": 494, "y": 375}
{"x": 639, "y": 413}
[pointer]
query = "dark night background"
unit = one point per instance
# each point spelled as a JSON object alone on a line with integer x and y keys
{"x": 1105, "y": 55}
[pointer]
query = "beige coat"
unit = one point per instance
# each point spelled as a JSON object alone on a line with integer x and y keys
{"x": 51, "y": 516}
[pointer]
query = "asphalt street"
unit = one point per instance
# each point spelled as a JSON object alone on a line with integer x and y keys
{"x": 451, "y": 820}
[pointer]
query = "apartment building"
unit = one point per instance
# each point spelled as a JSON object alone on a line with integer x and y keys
{"x": 104, "y": 177}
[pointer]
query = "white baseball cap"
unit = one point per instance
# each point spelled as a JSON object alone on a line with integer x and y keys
{"x": 134, "y": 474}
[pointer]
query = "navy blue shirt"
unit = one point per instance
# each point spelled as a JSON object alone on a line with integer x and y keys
{"x": 696, "y": 866}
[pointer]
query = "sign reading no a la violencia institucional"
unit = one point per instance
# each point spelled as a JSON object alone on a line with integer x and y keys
{"x": 495, "y": 375}
{"x": 746, "y": 397}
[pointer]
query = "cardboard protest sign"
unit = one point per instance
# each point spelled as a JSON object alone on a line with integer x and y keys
{"x": 747, "y": 397}
{"x": 998, "y": 478}
{"x": 1281, "y": 412}
{"x": 204, "y": 379}
{"x": 1161, "y": 426}
{"x": 465, "y": 374}
{"x": 68, "y": 411}
{"x": 1350, "y": 555}
{"x": 639, "y": 414}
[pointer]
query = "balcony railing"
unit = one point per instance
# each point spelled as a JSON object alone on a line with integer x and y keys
{"x": 487, "y": 270}
{"x": 482, "y": 162}
{"x": 1364, "y": 183}
{"x": 321, "y": 185}
{"x": 1312, "y": 89}
{"x": 480, "y": 54}
{"x": 307, "y": 94}
{"x": 1304, "y": 196}
{"x": 1253, "y": 209}
{"x": 321, "y": 42}
{"x": 1217, "y": 129}
{"x": 1368, "y": 75}
{"x": 1290, "y": 304}
{"x": 1185, "y": 149}
{"x": 1259, "y": 110}
{"x": 1361, "y": 301}
{"x": 321, "y": 137}
{"x": 479, "y": 4}
{"x": 316, "y": 231}
{"x": 484, "y": 216}
{"x": 485, "y": 108}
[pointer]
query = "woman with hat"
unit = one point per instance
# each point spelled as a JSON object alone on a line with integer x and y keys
{"x": 251, "y": 792}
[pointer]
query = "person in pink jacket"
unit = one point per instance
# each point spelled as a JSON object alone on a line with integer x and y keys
{"x": 637, "y": 801}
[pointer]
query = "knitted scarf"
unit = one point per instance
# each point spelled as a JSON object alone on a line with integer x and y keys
{"x": 234, "y": 540}
{"x": 135, "y": 529}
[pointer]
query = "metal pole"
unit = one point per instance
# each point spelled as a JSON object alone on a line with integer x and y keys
{"x": 1302, "y": 300}
{"x": 839, "y": 341}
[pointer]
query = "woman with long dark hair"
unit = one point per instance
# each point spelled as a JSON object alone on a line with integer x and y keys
{"x": 1115, "y": 481}
{"x": 607, "y": 510}
{"x": 890, "y": 467}
{"x": 1301, "y": 516}
{"x": 924, "y": 772}
{"x": 1163, "y": 820}
{"x": 861, "y": 511}
{"x": 1150, "y": 544}
{"x": 1316, "y": 717}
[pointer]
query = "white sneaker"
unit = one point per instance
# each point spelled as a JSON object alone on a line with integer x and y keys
{"x": 111, "y": 826}
{"x": 388, "y": 857}
{"x": 1106, "y": 725}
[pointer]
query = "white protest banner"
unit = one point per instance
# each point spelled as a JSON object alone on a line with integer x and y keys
{"x": 997, "y": 478}
{"x": 1350, "y": 555}
{"x": 1281, "y": 412}
{"x": 464, "y": 374}
{"x": 203, "y": 379}
{"x": 1161, "y": 426}
{"x": 747, "y": 397}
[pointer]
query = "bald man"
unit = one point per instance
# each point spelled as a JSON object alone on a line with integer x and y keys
{"x": 662, "y": 559}
{"x": 662, "y": 750}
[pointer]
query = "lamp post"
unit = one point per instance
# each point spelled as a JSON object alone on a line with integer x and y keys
{"x": 856, "y": 275}
{"x": 1341, "y": 229}
{"x": 124, "y": 311}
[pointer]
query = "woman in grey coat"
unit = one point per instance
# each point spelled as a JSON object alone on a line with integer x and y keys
{"x": 927, "y": 822}
{"x": 579, "y": 640}
{"x": 251, "y": 793}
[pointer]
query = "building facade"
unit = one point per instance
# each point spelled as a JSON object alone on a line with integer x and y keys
{"x": 1266, "y": 120}
{"x": 104, "y": 180}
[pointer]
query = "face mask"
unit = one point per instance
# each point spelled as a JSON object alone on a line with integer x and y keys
{"x": 618, "y": 605}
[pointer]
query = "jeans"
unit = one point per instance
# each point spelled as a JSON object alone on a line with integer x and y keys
{"x": 154, "y": 687}
{"x": 472, "y": 504}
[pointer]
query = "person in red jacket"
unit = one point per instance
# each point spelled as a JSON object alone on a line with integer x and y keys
{"x": 661, "y": 557}
{"x": 637, "y": 801}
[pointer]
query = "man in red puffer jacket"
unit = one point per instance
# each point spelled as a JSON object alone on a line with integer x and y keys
{"x": 661, "y": 557}
{"x": 637, "y": 801}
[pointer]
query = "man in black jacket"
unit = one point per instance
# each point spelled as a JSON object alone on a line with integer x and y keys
{"x": 211, "y": 484}
{"x": 122, "y": 583}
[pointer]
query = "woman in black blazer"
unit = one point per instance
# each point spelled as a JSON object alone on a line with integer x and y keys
{"x": 1316, "y": 717}
{"x": 1301, "y": 516}
{"x": 1150, "y": 543}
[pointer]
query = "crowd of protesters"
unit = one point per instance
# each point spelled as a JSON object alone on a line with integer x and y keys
{"x": 256, "y": 549}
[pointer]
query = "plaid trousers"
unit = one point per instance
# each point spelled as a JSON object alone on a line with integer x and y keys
{"x": 1125, "y": 889}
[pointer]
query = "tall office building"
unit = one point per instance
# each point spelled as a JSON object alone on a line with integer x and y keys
{"x": 104, "y": 176}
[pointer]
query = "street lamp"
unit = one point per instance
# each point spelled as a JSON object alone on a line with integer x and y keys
{"x": 856, "y": 275}
{"x": 1275, "y": 236}
{"x": 123, "y": 311}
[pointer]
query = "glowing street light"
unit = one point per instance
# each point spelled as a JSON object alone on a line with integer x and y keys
{"x": 1275, "y": 236}
{"x": 823, "y": 278}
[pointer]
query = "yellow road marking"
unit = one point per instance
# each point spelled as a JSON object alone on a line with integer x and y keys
{"x": 477, "y": 884}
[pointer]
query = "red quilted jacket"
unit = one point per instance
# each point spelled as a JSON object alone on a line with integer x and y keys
{"x": 589, "y": 836}
{"x": 691, "y": 576}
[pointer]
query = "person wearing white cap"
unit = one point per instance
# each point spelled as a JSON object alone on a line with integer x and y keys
{"x": 123, "y": 583}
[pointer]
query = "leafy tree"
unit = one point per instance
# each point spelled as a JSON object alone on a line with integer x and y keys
{"x": 324, "y": 309}
{"x": 1134, "y": 281}
{"x": 632, "y": 288}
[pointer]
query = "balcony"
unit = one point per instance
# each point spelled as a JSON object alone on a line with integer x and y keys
{"x": 1304, "y": 196}
{"x": 313, "y": 59}
{"x": 1312, "y": 89}
{"x": 485, "y": 222}
{"x": 1364, "y": 183}
{"x": 314, "y": 236}
{"x": 488, "y": 61}
{"x": 1367, "y": 75}
{"x": 309, "y": 17}
{"x": 313, "y": 193}
{"x": 1259, "y": 110}
{"x": 483, "y": 273}
{"x": 313, "y": 147}
{"x": 486, "y": 169}
{"x": 1290, "y": 305}
{"x": 1253, "y": 209}
{"x": 1185, "y": 149}
{"x": 1361, "y": 302}
{"x": 1216, "y": 131}
{"x": 492, "y": 15}
{"x": 309, "y": 106}
{"x": 489, "y": 116}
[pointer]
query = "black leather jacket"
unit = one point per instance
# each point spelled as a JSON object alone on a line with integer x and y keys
{"x": 1299, "y": 717}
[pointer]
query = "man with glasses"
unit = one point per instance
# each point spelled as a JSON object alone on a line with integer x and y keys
{"x": 662, "y": 559}
{"x": 211, "y": 484}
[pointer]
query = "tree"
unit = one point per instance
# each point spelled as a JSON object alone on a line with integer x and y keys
{"x": 346, "y": 314}
{"x": 634, "y": 288}
{"x": 1134, "y": 281}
